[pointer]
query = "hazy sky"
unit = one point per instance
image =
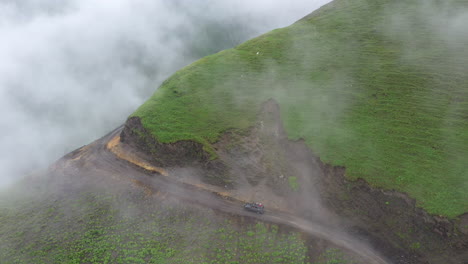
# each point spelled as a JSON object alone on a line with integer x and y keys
{"x": 71, "y": 70}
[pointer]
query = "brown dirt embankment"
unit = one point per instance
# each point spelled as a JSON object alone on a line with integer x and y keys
{"x": 181, "y": 154}
{"x": 264, "y": 165}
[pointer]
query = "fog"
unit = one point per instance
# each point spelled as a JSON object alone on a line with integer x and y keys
{"x": 71, "y": 70}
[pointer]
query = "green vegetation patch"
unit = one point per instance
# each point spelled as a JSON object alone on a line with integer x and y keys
{"x": 333, "y": 256}
{"x": 372, "y": 85}
{"x": 293, "y": 183}
{"x": 103, "y": 227}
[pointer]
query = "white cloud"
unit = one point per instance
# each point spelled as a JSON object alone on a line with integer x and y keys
{"x": 70, "y": 71}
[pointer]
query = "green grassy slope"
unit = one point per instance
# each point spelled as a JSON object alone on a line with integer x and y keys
{"x": 105, "y": 227}
{"x": 377, "y": 86}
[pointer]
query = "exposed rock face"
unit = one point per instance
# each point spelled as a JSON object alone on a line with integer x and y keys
{"x": 174, "y": 154}
{"x": 392, "y": 220}
{"x": 463, "y": 224}
{"x": 179, "y": 154}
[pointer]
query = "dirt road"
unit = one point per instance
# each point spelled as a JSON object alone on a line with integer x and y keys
{"x": 96, "y": 159}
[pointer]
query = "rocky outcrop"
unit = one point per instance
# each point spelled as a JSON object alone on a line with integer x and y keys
{"x": 173, "y": 154}
{"x": 393, "y": 221}
{"x": 183, "y": 153}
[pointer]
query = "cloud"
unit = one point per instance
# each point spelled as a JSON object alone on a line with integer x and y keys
{"x": 70, "y": 71}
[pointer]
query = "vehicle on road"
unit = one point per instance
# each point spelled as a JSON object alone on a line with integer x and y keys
{"x": 255, "y": 207}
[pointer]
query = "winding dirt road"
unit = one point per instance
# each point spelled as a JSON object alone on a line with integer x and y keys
{"x": 96, "y": 159}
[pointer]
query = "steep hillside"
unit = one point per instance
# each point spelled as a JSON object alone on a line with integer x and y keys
{"x": 377, "y": 86}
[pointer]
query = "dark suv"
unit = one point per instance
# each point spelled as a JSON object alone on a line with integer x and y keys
{"x": 254, "y": 207}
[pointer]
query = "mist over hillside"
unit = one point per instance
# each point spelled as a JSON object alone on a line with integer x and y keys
{"x": 378, "y": 87}
{"x": 342, "y": 138}
{"x": 72, "y": 70}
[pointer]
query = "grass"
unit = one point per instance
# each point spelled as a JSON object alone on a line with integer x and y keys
{"x": 390, "y": 106}
{"x": 333, "y": 256}
{"x": 104, "y": 227}
{"x": 293, "y": 183}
